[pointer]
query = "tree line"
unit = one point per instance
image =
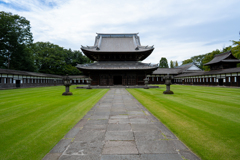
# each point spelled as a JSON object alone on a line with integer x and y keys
{"x": 18, "y": 52}
{"x": 199, "y": 60}
{"x": 164, "y": 63}
{"x": 205, "y": 58}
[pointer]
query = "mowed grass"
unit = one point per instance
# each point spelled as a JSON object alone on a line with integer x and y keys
{"x": 206, "y": 119}
{"x": 34, "y": 120}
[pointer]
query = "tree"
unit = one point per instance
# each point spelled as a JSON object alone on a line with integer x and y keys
{"x": 163, "y": 63}
{"x": 171, "y": 64}
{"x": 205, "y": 58}
{"x": 198, "y": 60}
{"x": 49, "y": 58}
{"x": 75, "y": 57}
{"x": 187, "y": 61}
{"x": 236, "y": 50}
{"x": 15, "y": 37}
{"x": 53, "y": 59}
{"x": 176, "y": 64}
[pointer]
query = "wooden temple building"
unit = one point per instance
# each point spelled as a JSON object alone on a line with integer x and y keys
{"x": 157, "y": 76}
{"x": 117, "y": 60}
{"x": 223, "y": 72}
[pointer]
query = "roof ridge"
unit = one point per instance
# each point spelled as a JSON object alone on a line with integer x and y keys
{"x": 223, "y": 53}
{"x": 185, "y": 64}
{"x": 117, "y": 33}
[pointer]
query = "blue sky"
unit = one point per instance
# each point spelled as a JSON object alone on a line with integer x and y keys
{"x": 177, "y": 29}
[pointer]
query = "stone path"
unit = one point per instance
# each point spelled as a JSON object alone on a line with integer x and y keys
{"x": 118, "y": 127}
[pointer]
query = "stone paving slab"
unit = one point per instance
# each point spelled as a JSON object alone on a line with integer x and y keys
{"x": 157, "y": 146}
{"x": 120, "y": 147}
{"x": 118, "y": 127}
{"x": 90, "y": 136}
{"x": 148, "y": 136}
{"x": 80, "y": 157}
{"x": 120, "y": 157}
{"x": 120, "y": 136}
{"x": 119, "y": 120}
{"x": 84, "y": 148}
{"x": 163, "y": 156}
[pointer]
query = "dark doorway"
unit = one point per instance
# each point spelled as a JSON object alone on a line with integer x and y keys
{"x": 220, "y": 82}
{"x": 17, "y": 83}
{"x": 117, "y": 80}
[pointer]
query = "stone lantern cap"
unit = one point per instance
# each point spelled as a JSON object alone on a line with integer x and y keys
{"x": 66, "y": 78}
{"x": 168, "y": 77}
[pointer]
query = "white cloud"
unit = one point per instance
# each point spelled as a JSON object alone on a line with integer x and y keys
{"x": 169, "y": 25}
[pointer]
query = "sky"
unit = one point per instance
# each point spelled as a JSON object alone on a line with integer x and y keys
{"x": 177, "y": 29}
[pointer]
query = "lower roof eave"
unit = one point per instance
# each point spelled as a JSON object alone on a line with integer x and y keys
{"x": 212, "y": 72}
{"x": 117, "y": 69}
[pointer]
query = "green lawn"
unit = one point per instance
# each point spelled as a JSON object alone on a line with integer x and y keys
{"x": 206, "y": 119}
{"x": 33, "y": 120}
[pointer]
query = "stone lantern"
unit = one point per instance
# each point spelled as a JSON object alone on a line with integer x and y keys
{"x": 89, "y": 81}
{"x": 146, "y": 83}
{"x": 67, "y": 83}
{"x": 168, "y": 82}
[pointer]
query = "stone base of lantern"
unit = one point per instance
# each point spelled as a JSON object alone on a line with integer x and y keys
{"x": 89, "y": 87}
{"x": 146, "y": 87}
{"x": 168, "y": 92}
{"x": 67, "y": 93}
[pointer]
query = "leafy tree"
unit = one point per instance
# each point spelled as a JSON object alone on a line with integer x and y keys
{"x": 71, "y": 70}
{"x": 53, "y": 59}
{"x": 49, "y": 58}
{"x": 198, "y": 60}
{"x": 236, "y": 49}
{"x": 176, "y": 64}
{"x": 163, "y": 63}
{"x": 75, "y": 57}
{"x": 171, "y": 64}
{"x": 15, "y": 37}
{"x": 205, "y": 58}
{"x": 187, "y": 61}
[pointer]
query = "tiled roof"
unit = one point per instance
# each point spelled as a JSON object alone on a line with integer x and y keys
{"x": 117, "y": 43}
{"x": 167, "y": 71}
{"x": 222, "y": 71}
{"x": 186, "y": 67}
{"x": 78, "y": 76}
{"x": 177, "y": 70}
{"x": 26, "y": 73}
{"x": 117, "y": 65}
{"x": 223, "y": 58}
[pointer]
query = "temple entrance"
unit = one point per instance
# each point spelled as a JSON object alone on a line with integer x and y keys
{"x": 117, "y": 80}
{"x": 220, "y": 82}
{"x": 17, "y": 83}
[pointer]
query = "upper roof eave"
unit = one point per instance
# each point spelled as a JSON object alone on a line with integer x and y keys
{"x": 99, "y": 51}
